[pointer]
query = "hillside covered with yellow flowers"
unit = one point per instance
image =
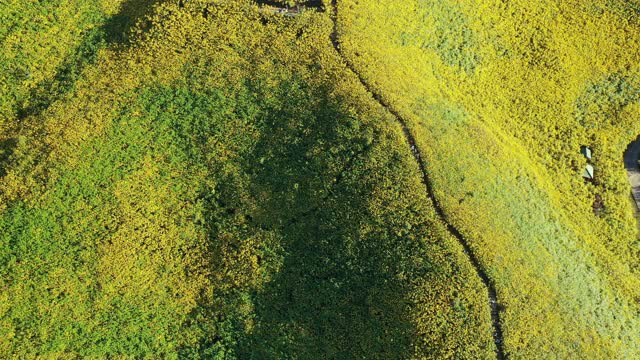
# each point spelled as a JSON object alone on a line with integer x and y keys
{"x": 337, "y": 179}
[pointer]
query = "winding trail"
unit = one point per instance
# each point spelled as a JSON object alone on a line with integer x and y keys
{"x": 491, "y": 290}
{"x": 473, "y": 259}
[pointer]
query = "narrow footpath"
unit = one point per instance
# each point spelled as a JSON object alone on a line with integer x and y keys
{"x": 491, "y": 291}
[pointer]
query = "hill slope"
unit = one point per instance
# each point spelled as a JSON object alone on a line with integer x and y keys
{"x": 499, "y": 111}
{"x": 212, "y": 179}
{"x": 236, "y": 196}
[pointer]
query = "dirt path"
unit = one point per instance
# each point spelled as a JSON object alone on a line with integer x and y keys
{"x": 631, "y": 156}
{"x": 491, "y": 291}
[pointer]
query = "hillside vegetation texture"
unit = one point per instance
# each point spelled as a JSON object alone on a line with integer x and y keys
{"x": 192, "y": 179}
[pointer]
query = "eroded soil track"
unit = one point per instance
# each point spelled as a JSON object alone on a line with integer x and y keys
{"x": 411, "y": 142}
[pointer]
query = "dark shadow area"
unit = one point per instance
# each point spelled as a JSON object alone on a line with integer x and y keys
{"x": 132, "y": 13}
{"x": 336, "y": 294}
{"x": 310, "y": 4}
{"x": 7, "y": 147}
{"x": 631, "y": 157}
{"x": 332, "y": 287}
{"x": 308, "y": 145}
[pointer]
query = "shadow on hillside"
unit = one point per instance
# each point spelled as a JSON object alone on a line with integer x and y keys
{"x": 7, "y": 147}
{"x": 275, "y": 3}
{"x": 118, "y": 28}
{"x": 335, "y": 295}
{"x": 336, "y": 292}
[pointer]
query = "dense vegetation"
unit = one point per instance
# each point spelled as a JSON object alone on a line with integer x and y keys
{"x": 500, "y": 98}
{"x": 45, "y": 44}
{"x": 238, "y": 196}
{"x": 206, "y": 179}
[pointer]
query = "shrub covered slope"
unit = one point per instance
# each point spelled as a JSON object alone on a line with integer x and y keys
{"x": 500, "y": 97}
{"x": 207, "y": 179}
{"x": 222, "y": 187}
